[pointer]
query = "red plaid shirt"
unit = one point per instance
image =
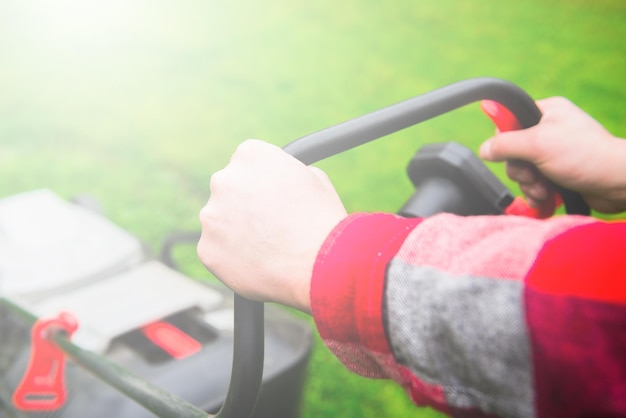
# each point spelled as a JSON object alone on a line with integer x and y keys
{"x": 480, "y": 316}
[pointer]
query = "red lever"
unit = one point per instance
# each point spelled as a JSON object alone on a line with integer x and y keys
{"x": 519, "y": 207}
{"x": 171, "y": 339}
{"x": 506, "y": 121}
{"x": 43, "y": 386}
{"x": 500, "y": 116}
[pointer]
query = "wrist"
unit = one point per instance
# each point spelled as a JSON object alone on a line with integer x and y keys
{"x": 612, "y": 186}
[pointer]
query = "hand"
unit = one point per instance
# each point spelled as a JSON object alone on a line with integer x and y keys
{"x": 567, "y": 147}
{"x": 265, "y": 221}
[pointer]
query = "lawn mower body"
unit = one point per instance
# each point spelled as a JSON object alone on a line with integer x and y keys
{"x": 132, "y": 309}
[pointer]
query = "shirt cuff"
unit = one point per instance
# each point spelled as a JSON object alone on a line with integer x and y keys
{"x": 348, "y": 282}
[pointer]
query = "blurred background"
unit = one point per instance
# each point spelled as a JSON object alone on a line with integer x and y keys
{"x": 137, "y": 102}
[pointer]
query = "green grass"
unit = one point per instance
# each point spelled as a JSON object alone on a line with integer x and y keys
{"x": 141, "y": 105}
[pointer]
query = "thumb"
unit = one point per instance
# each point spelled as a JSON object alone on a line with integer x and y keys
{"x": 509, "y": 145}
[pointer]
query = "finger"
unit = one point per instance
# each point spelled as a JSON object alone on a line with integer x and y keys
{"x": 522, "y": 172}
{"x": 537, "y": 191}
{"x": 321, "y": 174}
{"x": 511, "y": 145}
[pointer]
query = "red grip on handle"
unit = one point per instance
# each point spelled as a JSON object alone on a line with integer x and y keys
{"x": 505, "y": 121}
{"x": 500, "y": 116}
{"x": 43, "y": 386}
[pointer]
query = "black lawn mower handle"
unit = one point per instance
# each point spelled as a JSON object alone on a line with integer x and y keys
{"x": 246, "y": 378}
{"x": 366, "y": 128}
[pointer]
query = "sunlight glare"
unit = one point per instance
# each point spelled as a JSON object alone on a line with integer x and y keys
{"x": 78, "y": 24}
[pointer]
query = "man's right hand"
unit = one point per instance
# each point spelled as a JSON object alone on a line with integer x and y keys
{"x": 567, "y": 147}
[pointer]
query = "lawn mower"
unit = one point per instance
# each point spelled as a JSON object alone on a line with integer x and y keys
{"x": 93, "y": 325}
{"x": 124, "y": 309}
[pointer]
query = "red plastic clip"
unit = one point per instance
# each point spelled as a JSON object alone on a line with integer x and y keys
{"x": 43, "y": 386}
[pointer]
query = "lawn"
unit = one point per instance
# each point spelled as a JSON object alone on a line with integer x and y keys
{"x": 138, "y": 102}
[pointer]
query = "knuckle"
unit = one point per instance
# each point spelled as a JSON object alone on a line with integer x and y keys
{"x": 248, "y": 148}
{"x": 206, "y": 250}
{"x": 562, "y": 101}
{"x": 218, "y": 179}
{"x": 535, "y": 143}
{"x": 205, "y": 214}
{"x": 555, "y": 106}
{"x": 320, "y": 173}
{"x": 496, "y": 147}
{"x": 205, "y": 255}
{"x": 201, "y": 250}
{"x": 209, "y": 218}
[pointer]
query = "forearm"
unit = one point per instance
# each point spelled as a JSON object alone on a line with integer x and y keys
{"x": 456, "y": 311}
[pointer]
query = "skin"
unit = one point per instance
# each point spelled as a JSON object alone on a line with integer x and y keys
{"x": 268, "y": 214}
{"x": 567, "y": 147}
{"x": 266, "y": 219}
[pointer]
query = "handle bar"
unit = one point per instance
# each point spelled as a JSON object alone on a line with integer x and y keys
{"x": 363, "y": 129}
{"x": 246, "y": 377}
